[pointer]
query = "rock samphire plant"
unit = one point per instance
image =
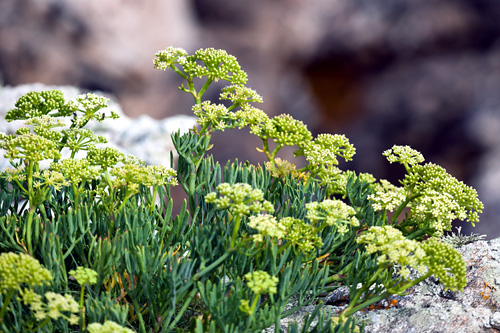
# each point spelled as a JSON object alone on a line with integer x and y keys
{"x": 89, "y": 242}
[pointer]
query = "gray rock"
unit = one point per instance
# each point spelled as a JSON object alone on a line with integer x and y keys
{"x": 427, "y": 308}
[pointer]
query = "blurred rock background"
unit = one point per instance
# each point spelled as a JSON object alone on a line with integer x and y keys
{"x": 424, "y": 72}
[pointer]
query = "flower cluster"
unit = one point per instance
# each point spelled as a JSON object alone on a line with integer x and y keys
{"x": 442, "y": 198}
{"x": 387, "y": 196}
{"x": 261, "y": 282}
{"x": 108, "y": 327}
{"x": 151, "y": 175}
{"x": 252, "y": 117}
{"x": 105, "y": 157}
{"x": 301, "y": 234}
{"x": 240, "y": 199}
{"x": 281, "y": 168}
{"x": 36, "y": 104}
{"x": 77, "y": 139}
{"x": 334, "y": 213}
{"x": 57, "y": 306}
{"x": 326, "y": 147}
{"x": 240, "y": 95}
{"x": 76, "y": 170}
{"x": 216, "y": 115}
{"x": 19, "y": 269}
{"x": 428, "y": 257}
{"x": 404, "y": 155}
{"x": 92, "y": 104}
{"x": 287, "y": 131}
{"x": 217, "y": 65}
{"x": 84, "y": 275}
{"x": 445, "y": 263}
{"x": 168, "y": 57}
{"x": 30, "y": 146}
{"x": 267, "y": 225}
{"x": 394, "y": 249}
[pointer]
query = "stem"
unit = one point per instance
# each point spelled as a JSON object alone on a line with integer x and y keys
{"x": 235, "y": 230}
{"x": 28, "y": 229}
{"x": 205, "y": 87}
{"x": 137, "y": 308}
{"x": 181, "y": 312}
{"x": 6, "y": 303}
{"x": 403, "y": 206}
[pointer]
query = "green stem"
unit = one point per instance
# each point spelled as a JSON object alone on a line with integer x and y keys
{"x": 137, "y": 308}
{"x": 187, "y": 302}
{"x": 403, "y": 206}
{"x": 28, "y": 229}
{"x": 178, "y": 71}
{"x": 205, "y": 87}
{"x": 235, "y": 230}
{"x": 6, "y": 303}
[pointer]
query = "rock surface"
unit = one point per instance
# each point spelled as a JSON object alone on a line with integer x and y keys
{"x": 428, "y": 308}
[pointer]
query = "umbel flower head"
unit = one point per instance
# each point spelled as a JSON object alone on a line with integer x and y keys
{"x": 261, "y": 282}
{"x": 241, "y": 199}
{"x": 36, "y": 104}
{"x": 57, "y": 306}
{"x": 325, "y": 149}
{"x": 84, "y": 275}
{"x": 334, "y": 213}
{"x": 266, "y": 226}
{"x": 19, "y": 269}
{"x": 428, "y": 257}
{"x": 108, "y": 327}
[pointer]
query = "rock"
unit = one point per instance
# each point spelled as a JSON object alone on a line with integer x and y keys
{"x": 428, "y": 308}
{"x": 144, "y": 137}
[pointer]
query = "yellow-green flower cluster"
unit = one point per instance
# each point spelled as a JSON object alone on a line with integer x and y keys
{"x": 30, "y": 146}
{"x": 84, "y": 275}
{"x": 108, "y": 327}
{"x": 428, "y": 257}
{"x": 240, "y": 199}
{"x": 252, "y": 117}
{"x": 261, "y": 282}
{"x": 36, "y": 104}
{"x": 216, "y": 115}
{"x": 17, "y": 174}
{"x": 301, "y": 234}
{"x": 217, "y": 65}
{"x": 394, "y": 249}
{"x": 151, "y": 175}
{"x": 326, "y": 147}
{"x": 81, "y": 139}
{"x": 281, "y": 168}
{"x": 334, "y": 213}
{"x": 240, "y": 95}
{"x": 105, "y": 157}
{"x": 445, "y": 263}
{"x": 442, "y": 198}
{"x": 387, "y": 196}
{"x": 404, "y": 155}
{"x": 287, "y": 131}
{"x": 19, "y": 269}
{"x": 76, "y": 170}
{"x": 49, "y": 178}
{"x": 168, "y": 57}
{"x": 57, "y": 306}
{"x": 267, "y": 225}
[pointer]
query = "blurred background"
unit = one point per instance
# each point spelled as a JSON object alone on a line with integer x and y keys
{"x": 424, "y": 73}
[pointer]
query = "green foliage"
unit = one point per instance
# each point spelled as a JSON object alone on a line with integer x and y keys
{"x": 247, "y": 241}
